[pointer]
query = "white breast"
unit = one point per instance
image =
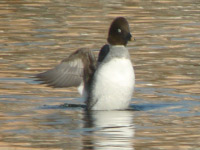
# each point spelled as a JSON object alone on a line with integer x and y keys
{"x": 114, "y": 85}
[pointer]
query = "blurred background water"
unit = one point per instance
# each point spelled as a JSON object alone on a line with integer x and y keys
{"x": 37, "y": 35}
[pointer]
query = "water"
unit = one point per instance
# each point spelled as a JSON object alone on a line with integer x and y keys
{"x": 37, "y": 35}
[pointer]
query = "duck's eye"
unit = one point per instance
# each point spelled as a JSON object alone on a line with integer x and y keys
{"x": 119, "y": 30}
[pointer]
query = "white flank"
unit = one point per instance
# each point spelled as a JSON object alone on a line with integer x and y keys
{"x": 82, "y": 91}
{"x": 114, "y": 85}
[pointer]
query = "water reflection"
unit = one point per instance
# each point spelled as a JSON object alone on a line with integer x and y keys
{"x": 114, "y": 129}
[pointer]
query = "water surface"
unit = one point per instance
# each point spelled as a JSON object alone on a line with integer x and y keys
{"x": 37, "y": 35}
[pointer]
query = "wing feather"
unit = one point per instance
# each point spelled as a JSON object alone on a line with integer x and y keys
{"x": 69, "y": 72}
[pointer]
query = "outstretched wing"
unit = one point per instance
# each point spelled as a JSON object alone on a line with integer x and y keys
{"x": 69, "y": 72}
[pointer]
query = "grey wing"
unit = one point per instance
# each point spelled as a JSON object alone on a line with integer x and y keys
{"x": 67, "y": 73}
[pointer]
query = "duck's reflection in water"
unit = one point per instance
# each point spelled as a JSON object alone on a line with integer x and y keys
{"x": 113, "y": 130}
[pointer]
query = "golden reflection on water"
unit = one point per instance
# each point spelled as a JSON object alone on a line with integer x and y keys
{"x": 36, "y": 35}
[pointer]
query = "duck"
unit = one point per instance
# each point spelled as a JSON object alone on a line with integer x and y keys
{"x": 106, "y": 83}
